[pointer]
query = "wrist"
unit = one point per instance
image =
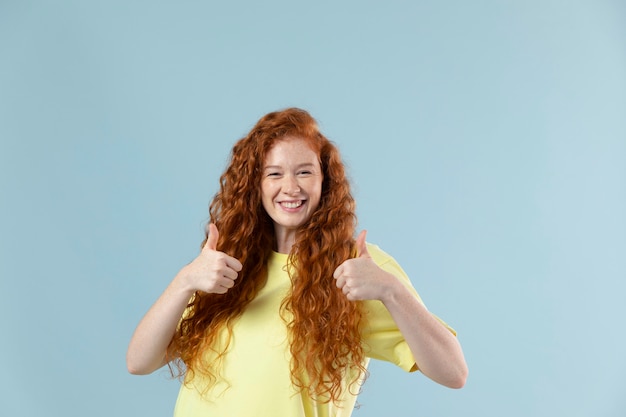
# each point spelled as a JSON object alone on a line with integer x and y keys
{"x": 392, "y": 289}
{"x": 182, "y": 283}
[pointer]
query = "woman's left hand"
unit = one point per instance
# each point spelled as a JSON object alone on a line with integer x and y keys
{"x": 360, "y": 278}
{"x": 436, "y": 351}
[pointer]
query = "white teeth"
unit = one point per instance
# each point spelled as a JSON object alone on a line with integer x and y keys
{"x": 292, "y": 204}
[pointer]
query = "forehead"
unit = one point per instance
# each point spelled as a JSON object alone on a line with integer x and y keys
{"x": 291, "y": 150}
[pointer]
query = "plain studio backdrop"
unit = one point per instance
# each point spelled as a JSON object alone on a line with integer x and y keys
{"x": 486, "y": 143}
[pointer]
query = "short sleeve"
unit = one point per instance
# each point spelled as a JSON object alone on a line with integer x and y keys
{"x": 381, "y": 337}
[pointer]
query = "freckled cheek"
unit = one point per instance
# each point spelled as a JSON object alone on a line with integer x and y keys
{"x": 267, "y": 195}
{"x": 316, "y": 195}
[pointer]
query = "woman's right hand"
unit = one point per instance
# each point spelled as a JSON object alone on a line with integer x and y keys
{"x": 212, "y": 271}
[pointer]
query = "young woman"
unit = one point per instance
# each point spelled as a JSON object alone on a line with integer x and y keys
{"x": 283, "y": 307}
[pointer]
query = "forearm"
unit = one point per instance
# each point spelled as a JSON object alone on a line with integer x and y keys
{"x": 435, "y": 349}
{"x": 148, "y": 345}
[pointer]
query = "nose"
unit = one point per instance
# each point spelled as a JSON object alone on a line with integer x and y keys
{"x": 290, "y": 185}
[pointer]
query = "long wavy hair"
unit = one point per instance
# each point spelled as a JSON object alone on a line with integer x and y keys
{"x": 323, "y": 326}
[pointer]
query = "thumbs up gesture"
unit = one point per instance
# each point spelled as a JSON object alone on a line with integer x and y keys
{"x": 360, "y": 278}
{"x": 212, "y": 271}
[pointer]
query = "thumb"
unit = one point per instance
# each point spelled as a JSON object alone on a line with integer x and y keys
{"x": 361, "y": 246}
{"x": 211, "y": 242}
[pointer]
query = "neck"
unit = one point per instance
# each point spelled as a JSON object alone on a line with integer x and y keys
{"x": 285, "y": 238}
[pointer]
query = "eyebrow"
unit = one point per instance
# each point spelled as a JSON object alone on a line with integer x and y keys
{"x": 306, "y": 164}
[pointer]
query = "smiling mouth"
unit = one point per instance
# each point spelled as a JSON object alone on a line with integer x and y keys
{"x": 292, "y": 204}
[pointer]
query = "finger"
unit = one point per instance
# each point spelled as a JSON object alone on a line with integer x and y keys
{"x": 338, "y": 271}
{"x": 340, "y": 282}
{"x": 227, "y": 283}
{"x": 234, "y": 264}
{"x": 348, "y": 293}
{"x": 361, "y": 246}
{"x": 211, "y": 242}
{"x": 219, "y": 290}
{"x": 221, "y": 286}
{"x": 229, "y": 273}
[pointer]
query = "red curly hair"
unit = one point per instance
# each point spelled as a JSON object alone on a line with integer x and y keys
{"x": 324, "y": 327}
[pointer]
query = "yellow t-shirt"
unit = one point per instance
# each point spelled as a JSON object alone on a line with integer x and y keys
{"x": 255, "y": 375}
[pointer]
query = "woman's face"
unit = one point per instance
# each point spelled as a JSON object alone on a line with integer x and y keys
{"x": 291, "y": 186}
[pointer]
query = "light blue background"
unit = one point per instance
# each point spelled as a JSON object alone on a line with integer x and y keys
{"x": 486, "y": 141}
